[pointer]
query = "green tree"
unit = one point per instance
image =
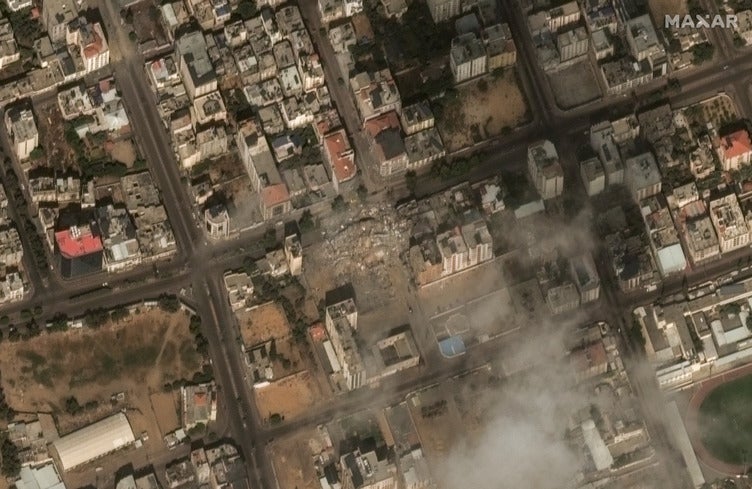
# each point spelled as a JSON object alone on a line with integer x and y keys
{"x": 306, "y": 222}
{"x": 11, "y": 462}
{"x": 339, "y": 204}
{"x": 362, "y": 192}
{"x": 169, "y": 303}
{"x": 247, "y": 9}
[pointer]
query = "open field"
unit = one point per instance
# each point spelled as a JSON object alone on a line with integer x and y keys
{"x": 137, "y": 356}
{"x": 263, "y": 323}
{"x": 288, "y": 397}
{"x": 725, "y": 421}
{"x": 482, "y": 109}
{"x": 292, "y": 458}
{"x": 575, "y": 85}
{"x": 440, "y": 430}
{"x": 124, "y": 152}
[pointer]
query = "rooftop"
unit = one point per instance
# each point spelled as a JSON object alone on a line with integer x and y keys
{"x": 735, "y": 144}
{"x": 76, "y": 242}
{"x": 341, "y": 155}
{"x": 728, "y": 218}
{"x": 466, "y": 47}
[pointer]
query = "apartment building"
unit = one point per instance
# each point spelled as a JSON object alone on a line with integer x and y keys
{"x": 195, "y": 67}
{"x": 729, "y": 223}
{"x": 467, "y": 57}
{"x": 735, "y": 150}
{"x": 642, "y": 176}
{"x": 645, "y": 45}
{"x": 572, "y": 44}
{"x": 442, "y": 10}
{"x": 500, "y": 47}
{"x": 340, "y": 157}
{"x": 91, "y": 42}
{"x": 545, "y": 170}
{"x": 22, "y": 129}
{"x": 375, "y": 93}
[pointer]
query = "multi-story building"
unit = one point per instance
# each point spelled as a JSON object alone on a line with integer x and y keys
{"x": 585, "y": 277}
{"x": 644, "y": 44}
{"x": 79, "y": 251}
{"x": 331, "y": 10}
{"x": 572, "y": 44}
{"x": 367, "y": 466}
{"x": 442, "y": 10}
{"x": 729, "y": 223}
{"x": 11, "y": 250}
{"x": 642, "y": 176}
{"x": 423, "y": 148}
{"x": 416, "y": 117}
{"x": 701, "y": 240}
{"x": 467, "y": 57}
{"x": 118, "y": 235}
{"x": 9, "y": 52}
{"x": 545, "y": 169}
{"x": 375, "y": 93}
{"x": 500, "y": 47}
{"x": 294, "y": 254}
{"x": 341, "y": 320}
{"x": 603, "y": 142}
{"x": 564, "y": 15}
{"x": 735, "y": 150}
{"x": 601, "y": 44}
{"x": 340, "y": 157}
{"x": 217, "y": 221}
{"x": 91, "y": 43}
{"x": 194, "y": 64}
{"x": 22, "y": 130}
{"x": 56, "y": 15}
{"x": 386, "y": 143}
{"x": 593, "y": 176}
{"x": 274, "y": 197}
{"x": 623, "y": 75}
{"x": 744, "y": 23}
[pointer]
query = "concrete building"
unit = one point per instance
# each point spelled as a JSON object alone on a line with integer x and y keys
{"x": 585, "y": 276}
{"x": 239, "y": 289}
{"x": 375, "y": 94}
{"x": 663, "y": 236}
{"x": 294, "y": 254}
{"x": 118, "y": 235}
{"x": 340, "y": 157}
{"x": 602, "y": 46}
{"x": 94, "y": 441}
{"x": 562, "y": 298}
{"x": 393, "y": 354}
{"x": 255, "y": 154}
{"x": 56, "y": 15}
{"x": 442, "y": 10}
{"x": 729, "y": 223}
{"x": 39, "y": 477}
{"x": 645, "y": 45}
{"x": 545, "y": 170}
{"x": 593, "y": 176}
{"x": 9, "y": 52}
{"x": 623, "y": 75}
{"x": 199, "y": 404}
{"x": 467, "y": 57}
{"x": 423, "y": 148}
{"x": 367, "y": 466}
{"x": 217, "y": 222}
{"x": 416, "y": 117}
{"x": 603, "y": 142}
{"x": 341, "y": 320}
{"x": 564, "y": 15}
{"x": 500, "y": 47}
{"x": 91, "y": 43}
{"x": 80, "y": 251}
{"x": 194, "y": 64}
{"x": 642, "y": 176}
{"x": 572, "y": 44}
{"x": 22, "y": 130}
{"x": 701, "y": 240}
{"x": 735, "y": 150}
{"x": 386, "y": 143}
{"x": 744, "y": 21}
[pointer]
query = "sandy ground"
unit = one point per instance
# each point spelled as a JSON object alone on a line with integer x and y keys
{"x": 136, "y": 356}
{"x": 485, "y": 113}
{"x": 263, "y": 323}
{"x": 124, "y": 152}
{"x": 292, "y": 459}
{"x": 439, "y": 433}
{"x": 575, "y": 85}
{"x": 166, "y": 407}
{"x": 288, "y": 397}
{"x": 659, "y": 8}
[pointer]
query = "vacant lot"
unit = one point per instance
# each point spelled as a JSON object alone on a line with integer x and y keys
{"x": 50, "y": 125}
{"x": 287, "y": 397}
{"x": 575, "y": 85}
{"x": 292, "y": 458}
{"x": 137, "y": 357}
{"x": 719, "y": 110}
{"x": 437, "y": 420}
{"x": 725, "y": 421}
{"x": 482, "y": 110}
{"x": 123, "y": 151}
{"x": 263, "y": 323}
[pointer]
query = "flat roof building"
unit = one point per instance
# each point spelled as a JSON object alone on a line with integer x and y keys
{"x": 729, "y": 223}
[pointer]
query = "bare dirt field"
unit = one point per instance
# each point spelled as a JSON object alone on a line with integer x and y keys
{"x": 166, "y": 407}
{"x": 146, "y": 23}
{"x": 50, "y": 126}
{"x": 660, "y": 8}
{"x": 288, "y": 397}
{"x": 482, "y": 110}
{"x": 124, "y": 152}
{"x": 442, "y": 426}
{"x": 575, "y": 85}
{"x": 137, "y": 357}
{"x": 263, "y": 323}
{"x": 292, "y": 459}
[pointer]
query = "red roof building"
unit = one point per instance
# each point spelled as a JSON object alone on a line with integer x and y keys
{"x": 735, "y": 150}
{"x": 80, "y": 251}
{"x": 340, "y": 157}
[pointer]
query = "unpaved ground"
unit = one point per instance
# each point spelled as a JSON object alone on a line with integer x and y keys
{"x": 575, "y": 85}
{"x": 292, "y": 459}
{"x": 136, "y": 356}
{"x": 288, "y": 397}
{"x": 124, "y": 152}
{"x": 478, "y": 114}
{"x": 660, "y": 8}
{"x": 50, "y": 126}
{"x": 263, "y": 323}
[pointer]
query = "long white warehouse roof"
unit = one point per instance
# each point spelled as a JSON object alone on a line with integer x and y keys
{"x": 94, "y": 441}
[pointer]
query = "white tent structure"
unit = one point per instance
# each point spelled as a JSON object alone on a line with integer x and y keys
{"x": 94, "y": 441}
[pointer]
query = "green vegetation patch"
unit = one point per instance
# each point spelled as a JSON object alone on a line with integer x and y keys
{"x": 725, "y": 421}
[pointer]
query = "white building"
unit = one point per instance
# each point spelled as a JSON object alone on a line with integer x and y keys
{"x": 735, "y": 150}
{"x": 572, "y": 44}
{"x": 642, "y": 176}
{"x": 467, "y": 57}
{"x": 22, "y": 130}
{"x": 593, "y": 176}
{"x": 94, "y": 441}
{"x": 91, "y": 43}
{"x": 729, "y": 223}
{"x": 644, "y": 44}
{"x": 545, "y": 170}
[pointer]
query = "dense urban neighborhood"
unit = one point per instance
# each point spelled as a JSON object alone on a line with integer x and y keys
{"x": 375, "y": 244}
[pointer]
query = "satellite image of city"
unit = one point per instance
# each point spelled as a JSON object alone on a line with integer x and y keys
{"x": 376, "y": 244}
